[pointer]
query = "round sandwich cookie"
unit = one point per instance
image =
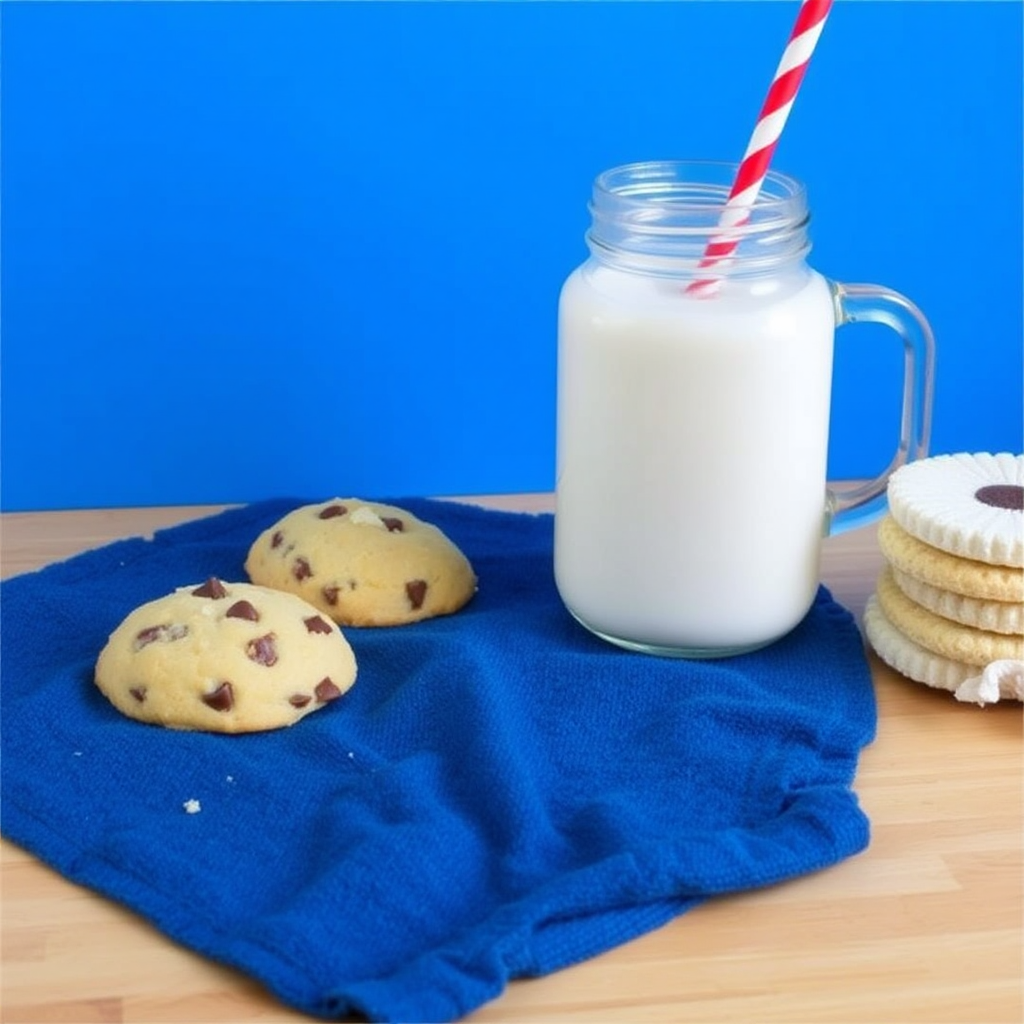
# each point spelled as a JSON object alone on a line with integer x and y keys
{"x": 970, "y": 505}
{"x": 225, "y": 657}
{"x": 363, "y": 563}
{"x": 985, "y": 684}
{"x": 942, "y": 636}
{"x": 994, "y": 616}
{"x": 945, "y": 571}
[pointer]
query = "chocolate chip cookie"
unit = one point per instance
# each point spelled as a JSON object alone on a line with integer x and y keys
{"x": 363, "y": 563}
{"x": 225, "y": 657}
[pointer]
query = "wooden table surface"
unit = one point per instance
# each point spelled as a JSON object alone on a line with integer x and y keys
{"x": 926, "y": 925}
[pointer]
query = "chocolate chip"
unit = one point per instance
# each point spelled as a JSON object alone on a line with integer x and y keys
{"x": 242, "y": 610}
{"x": 275, "y": 541}
{"x": 299, "y": 700}
{"x": 301, "y": 569}
{"x": 164, "y": 633}
{"x": 416, "y": 590}
{"x": 138, "y": 692}
{"x": 330, "y": 594}
{"x": 262, "y": 650}
{"x": 333, "y": 510}
{"x": 147, "y": 636}
{"x": 1008, "y": 496}
{"x": 314, "y": 624}
{"x": 393, "y": 524}
{"x": 211, "y": 588}
{"x": 222, "y": 699}
{"x": 325, "y": 690}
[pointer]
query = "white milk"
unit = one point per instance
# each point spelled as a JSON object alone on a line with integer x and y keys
{"x": 692, "y": 442}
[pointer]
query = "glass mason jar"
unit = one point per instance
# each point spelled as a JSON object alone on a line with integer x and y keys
{"x": 693, "y": 414}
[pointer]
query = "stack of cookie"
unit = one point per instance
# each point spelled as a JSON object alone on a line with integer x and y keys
{"x": 948, "y": 610}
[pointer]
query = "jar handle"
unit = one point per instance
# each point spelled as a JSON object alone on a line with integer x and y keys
{"x": 863, "y": 503}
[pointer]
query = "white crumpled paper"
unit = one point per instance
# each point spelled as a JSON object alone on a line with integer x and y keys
{"x": 1000, "y": 679}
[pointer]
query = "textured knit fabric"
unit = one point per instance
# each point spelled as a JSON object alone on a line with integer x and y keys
{"x": 500, "y": 794}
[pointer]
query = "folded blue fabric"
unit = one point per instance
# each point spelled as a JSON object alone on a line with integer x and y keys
{"x": 500, "y": 795}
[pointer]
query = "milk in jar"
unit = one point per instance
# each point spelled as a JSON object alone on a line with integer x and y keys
{"x": 691, "y": 458}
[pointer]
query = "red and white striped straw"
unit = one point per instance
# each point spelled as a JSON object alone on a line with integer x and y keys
{"x": 754, "y": 166}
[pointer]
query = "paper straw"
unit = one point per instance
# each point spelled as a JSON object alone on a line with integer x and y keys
{"x": 810, "y": 21}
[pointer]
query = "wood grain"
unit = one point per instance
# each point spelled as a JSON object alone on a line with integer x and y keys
{"x": 925, "y": 926}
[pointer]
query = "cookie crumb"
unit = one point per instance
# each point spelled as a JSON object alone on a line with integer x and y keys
{"x": 229, "y": 778}
{"x": 192, "y": 806}
{"x": 76, "y": 753}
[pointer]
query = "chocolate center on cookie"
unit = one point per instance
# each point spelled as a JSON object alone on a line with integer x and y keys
{"x": 1010, "y": 496}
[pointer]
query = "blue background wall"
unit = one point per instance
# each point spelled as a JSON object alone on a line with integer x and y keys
{"x": 315, "y": 248}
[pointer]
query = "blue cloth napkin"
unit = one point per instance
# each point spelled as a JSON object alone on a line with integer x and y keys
{"x": 500, "y": 794}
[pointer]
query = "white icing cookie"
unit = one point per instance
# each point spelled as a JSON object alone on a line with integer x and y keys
{"x": 969, "y": 505}
{"x": 993, "y": 616}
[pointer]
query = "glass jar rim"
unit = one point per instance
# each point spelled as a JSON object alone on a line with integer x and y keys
{"x": 662, "y": 216}
{"x": 696, "y": 185}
